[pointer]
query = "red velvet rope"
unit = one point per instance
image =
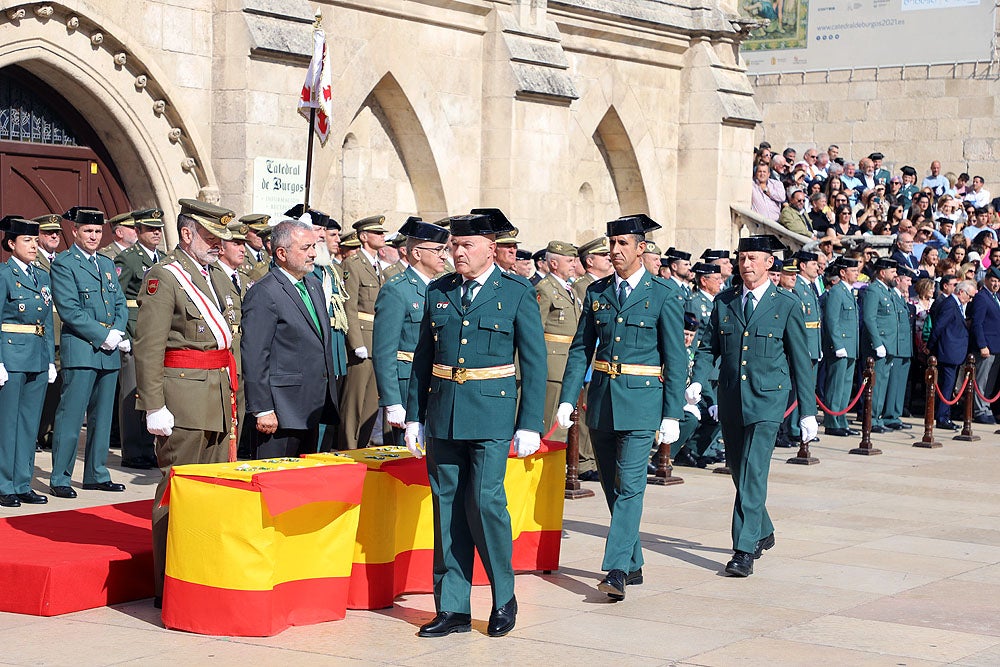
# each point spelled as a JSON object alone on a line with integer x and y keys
{"x": 958, "y": 396}
{"x": 854, "y": 401}
{"x": 975, "y": 385}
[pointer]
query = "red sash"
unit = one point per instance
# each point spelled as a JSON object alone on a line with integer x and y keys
{"x": 210, "y": 360}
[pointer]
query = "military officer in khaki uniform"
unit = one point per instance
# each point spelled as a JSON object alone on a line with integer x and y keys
{"x": 132, "y": 264}
{"x": 398, "y": 241}
{"x": 49, "y": 238}
{"x": 184, "y": 361}
{"x": 257, "y": 261}
{"x": 123, "y": 228}
{"x": 362, "y": 279}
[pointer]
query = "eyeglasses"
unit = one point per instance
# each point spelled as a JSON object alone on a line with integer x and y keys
{"x": 437, "y": 250}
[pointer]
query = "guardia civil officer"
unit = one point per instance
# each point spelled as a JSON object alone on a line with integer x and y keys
{"x": 758, "y": 333}
{"x": 805, "y": 288}
{"x": 879, "y": 336}
{"x": 399, "y": 310}
{"x": 463, "y": 399}
{"x": 92, "y": 307}
{"x": 27, "y": 359}
{"x": 840, "y": 344}
{"x": 634, "y": 321}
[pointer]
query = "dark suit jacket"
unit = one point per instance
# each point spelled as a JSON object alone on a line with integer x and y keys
{"x": 905, "y": 259}
{"x": 985, "y": 314}
{"x": 949, "y": 333}
{"x": 287, "y": 363}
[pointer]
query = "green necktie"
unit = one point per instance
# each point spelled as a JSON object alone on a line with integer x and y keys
{"x": 301, "y": 286}
{"x": 748, "y": 307}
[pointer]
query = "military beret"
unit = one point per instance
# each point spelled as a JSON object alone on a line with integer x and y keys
{"x": 523, "y": 254}
{"x": 702, "y": 269}
{"x": 350, "y": 240}
{"x": 83, "y": 215}
{"x": 373, "y": 223}
{"x": 213, "y": 218}
{"x": 598, "y": 246}
{"x": 908, "y": 171}
{"x": 123, "y": 220}
{"x": 652, "y": 248}
{"x": 256, "y": 221}
{"x": 148, "y": 217}
{"x": 885, "y": 263}
{"x": 639, "y": 223}
{"x": 15, "y": 225}
{"x": 415, "y": 228}
{"x": 561, "y": 248}
{"x": 993, "y": 272}
{"x": 50, "y": 222}
{"x": 238, "y": 229}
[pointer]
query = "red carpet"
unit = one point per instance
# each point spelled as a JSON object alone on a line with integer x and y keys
{"x": 60, "y": 562}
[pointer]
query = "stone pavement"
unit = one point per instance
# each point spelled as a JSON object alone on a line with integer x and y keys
{"x": 884, "y": 560}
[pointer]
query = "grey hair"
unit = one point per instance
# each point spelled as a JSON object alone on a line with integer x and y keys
{"x": 281, "y": 236}
{"x": 966, "y": 286}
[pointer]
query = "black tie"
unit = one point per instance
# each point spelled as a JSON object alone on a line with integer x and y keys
{"x": 236, "y": 282}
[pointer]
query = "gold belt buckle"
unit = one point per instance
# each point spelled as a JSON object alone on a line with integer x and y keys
{"x": 39, "y": 329}
{"x": 614, "y": 370}
{"x": 460, "y": 375}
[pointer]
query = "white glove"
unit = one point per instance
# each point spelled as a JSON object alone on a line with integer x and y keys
{"x": 880, "y": 351}
{"x": 361, "y": 352}
{"x": 52, "y": 373}
{"x": 693, "y": 409}
{"x": 713, "y": 412}
{"x": 125, "y": 346}
{"x": 840, "y": 353}
{"x": 809, "y": 428}
{"x": 693, "y": 393}
{"x": 160, "y": 422}
{"x": 526, "y": 443}
{"x": 395, "y": 415}
{"x": 3, "y": 375}
{"x": 414, "y": 439}
{"x": 564, "y": 415}
{"x": 670, "y": 430}
{"x": 111, "y": 342}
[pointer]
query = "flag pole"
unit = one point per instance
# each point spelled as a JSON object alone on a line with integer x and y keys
{"x": 312, "y": 126}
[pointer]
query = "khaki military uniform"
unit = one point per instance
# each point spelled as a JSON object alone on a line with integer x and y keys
{"x": 111, "y": 250}
{"x": 359, "y": 400}
{"x": 393, "y": 269}
{"x": 252, "y": 268}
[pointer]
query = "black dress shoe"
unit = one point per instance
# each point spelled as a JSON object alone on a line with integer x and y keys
{"x": 984, "y": 419}
{"x": 853, "y": 431}
{"x": 445, "y": 623}
{"x": 650, "y": 469}
{"x": 686, "y": 458}
{"x": 32, "y": 498}
{"x": 105, "y": 486}
{"x": 839, "y": 432}
{"x": 947, "y": 425}
{"x": 763, "y": 544}
{"x": 62, "y": 491}
{"x": 894, "y": 426}
{"x": 613, "y": 584}
{"x": 138, "y": 463}
{"x": 9, "y": 500}
{"x": 879, "y": 429}
{"x": 502, "y": 620}
{"x": 588, "y": 476}
{"x": 741, "y": 564}
{"x": 787, "y": 444}
{"x": 634, "y": 578}
{"x": 905, "y": 426}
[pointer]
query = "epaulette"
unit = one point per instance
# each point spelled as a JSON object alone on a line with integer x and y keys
{"x": 519, "y": 279}
{"x": 395, "y": 279}
{"x": 446, "y": 279}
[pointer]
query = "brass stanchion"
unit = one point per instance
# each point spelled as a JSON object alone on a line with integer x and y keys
{"x": 865, "y": 447}
{"x": 970, "y": 374}
{"x": 930, "y": 381}
{"x": 573, "y": 489}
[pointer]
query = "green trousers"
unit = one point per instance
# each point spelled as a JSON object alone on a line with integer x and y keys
{"x": 839, "y": 378}
{"x": 748, "y": 454}
{"x": 21, "y": 399}
{"x": 880, "y": 390}
{"x": 90, "y": 393}
{"x": 895, "y": 394}
{"x": 622, "y": 457}
{"x": 470, "y": 514}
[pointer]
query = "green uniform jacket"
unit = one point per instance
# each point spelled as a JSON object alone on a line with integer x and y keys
{"x": 813, "y": 316}
{"x": 762, "y": 357}
{"x": 904, "y": 328}
{"x": 399, "y": 309}
{"x": 132, "y": 264}
{"x": 21, "y": 302}
{"x": 648, "y": 329}
{"x": 840, "y": 321}
{"x": 560, "y": 315}
{"x": 699, "y": 306}
{"x": 90, "y": 303}
{"x": 502, "y": 320}
{"x": 878, "y": 315}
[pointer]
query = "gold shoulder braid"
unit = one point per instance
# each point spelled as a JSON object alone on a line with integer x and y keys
{"x": 336, "y": 296}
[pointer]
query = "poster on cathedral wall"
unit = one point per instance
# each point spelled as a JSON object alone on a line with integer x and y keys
{"x": 819, "y": 35}
{"x": 278, "y": 184}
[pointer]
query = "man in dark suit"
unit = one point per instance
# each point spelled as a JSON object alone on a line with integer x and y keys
{"x": 985, "y": 332}
{"x": 287, "y": 359}
{"x": 950, "y": 343}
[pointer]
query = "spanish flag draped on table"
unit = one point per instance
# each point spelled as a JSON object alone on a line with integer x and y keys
{"x": 394, "y": 553}
{"x": 257, "y": 546}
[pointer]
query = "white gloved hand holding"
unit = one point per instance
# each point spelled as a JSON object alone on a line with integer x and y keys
{"x": 111, "y": 342}
{"x": 564, "y": 415}
{"x": 526, "y": 443}
{"x": 840, "y": 353}
{"x": 52, "y": 373}
{"x": 713, "y": 412}
{"x": 125, "y": 346}
{"x": 670, "y": 430}
{"x": 414, "y": 439}
{"x": 880, "y": 351}
{"x": 693, "y": 409}
{"x": 395, "y": 415}
{"x": 693, "y": 393}
{"x": 361, "y": 352}
{"x": 809, "y": 428}
{"x": 4, "y": 376}
{"x": 160, "y": 422}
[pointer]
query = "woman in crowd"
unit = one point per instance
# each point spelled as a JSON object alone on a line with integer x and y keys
{"x": 768, "y": 194}
{"x": 946, "y": 208}
{"x": 929, "y": 259}
{"x": 872, "y": 210}
{"x": 895, "y": 215}
{"x": 842, "y": 225}
{"x": 894, "y": 195}
{"x": 957, "y": 253}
